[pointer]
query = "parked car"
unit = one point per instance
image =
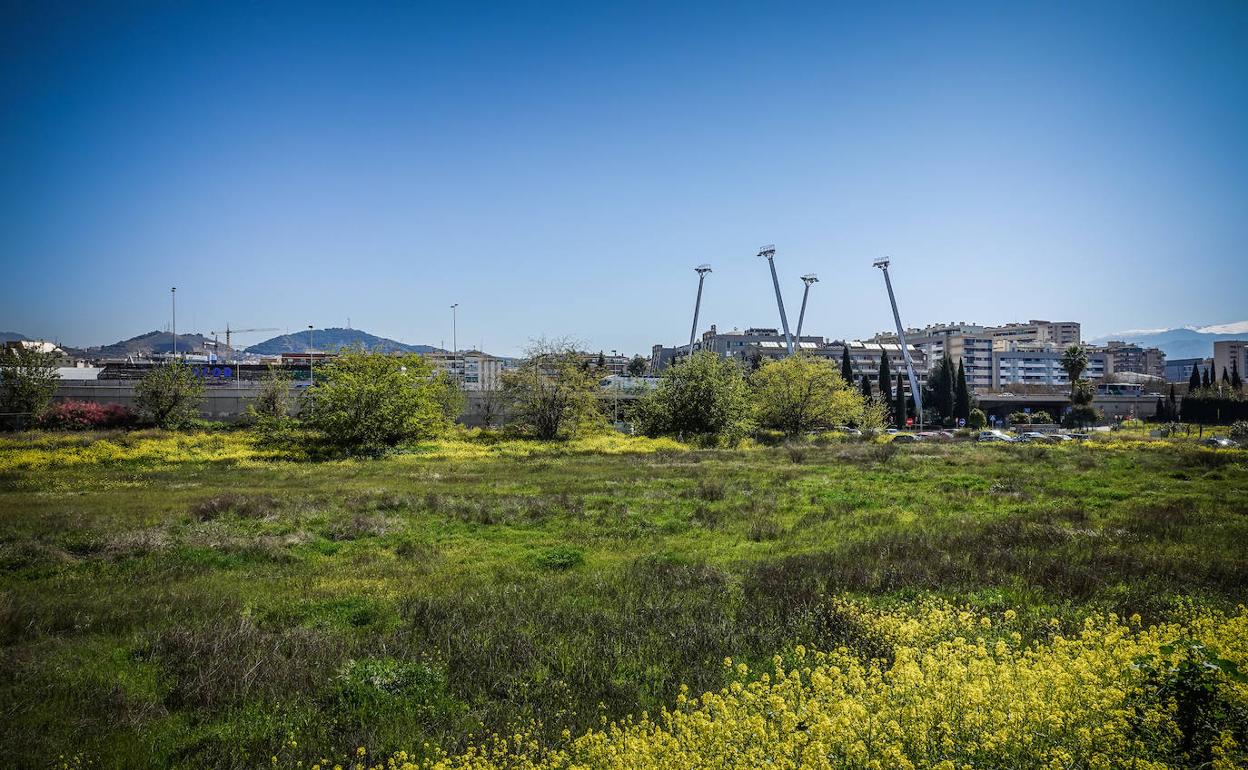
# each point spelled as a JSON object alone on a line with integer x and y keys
{"x": 907, "y": 438}
{"x": 1060, "y": 437}
{"x": 891, "y": 431}
{"x": 1081, "y": 436}
{"x": 850, "y": 431}
{"x": 1218, "y": 442}
{"x": 994, "y": 435}
{"x": 1033, "y": 435}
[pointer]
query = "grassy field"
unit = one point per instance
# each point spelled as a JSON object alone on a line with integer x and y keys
{"x": 193, "y": 601}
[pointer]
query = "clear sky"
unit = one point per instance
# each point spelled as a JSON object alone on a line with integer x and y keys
{"x": 559, "y": 168}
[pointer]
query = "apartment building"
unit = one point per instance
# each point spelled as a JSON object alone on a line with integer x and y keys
{"x": 1041, "y": 364}
{"x": 1180, "y": 369}
{"x": 1228, "y": 352}
{"x": 742, "y": 345}
{"x": 474, "y": 369}
{"x": 1129, "y": 357}
{"x": 1061, "y": 334}
{"x": 864, "y": 358}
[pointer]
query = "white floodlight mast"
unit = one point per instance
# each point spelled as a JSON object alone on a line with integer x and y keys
{"x": 807, "y": 279}
{"x": 882, "y": 264}
{"x": 702, "y": 270}
{"x": 769, "y": 252}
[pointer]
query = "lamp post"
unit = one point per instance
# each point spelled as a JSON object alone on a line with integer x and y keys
{"x": 701, "y": 270}
{"x": 455, "y": 363}
{"x": 173, "y": 301}
{"x": 311, "y": 376}
{"x": 882, "y": 264}
{"x": 769, "y": 253}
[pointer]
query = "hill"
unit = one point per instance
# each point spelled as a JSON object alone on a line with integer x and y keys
{"x": 12, "y": 337}
{"x": 1186, "y": 342}
{"x": 151, "y": 342}
{"x": 334, "y": 339}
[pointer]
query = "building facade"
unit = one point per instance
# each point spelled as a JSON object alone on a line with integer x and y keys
{"x": 1228, "y": 354}
{"x": 472, "y": 368}
{"x": 1129, "y": 357}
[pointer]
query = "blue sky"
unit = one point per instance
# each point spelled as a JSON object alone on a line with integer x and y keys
{"x": 558, "y": 169}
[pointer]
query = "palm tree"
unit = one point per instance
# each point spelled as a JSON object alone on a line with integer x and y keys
{"x": 1074, "y": 362}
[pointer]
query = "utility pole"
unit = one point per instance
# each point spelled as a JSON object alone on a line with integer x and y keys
{"x": 173, "y": 300}
{"x": 769, "y": 252}
{"x": 882, "y": 264}
{"x": 311, "y": 376}
{"x": 807, "y": 279}
{"x": 701, "y": 270}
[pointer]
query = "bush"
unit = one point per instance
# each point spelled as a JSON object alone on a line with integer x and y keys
{"x": 27, "y": 380}
{"x": 977, "y": 420}
{"x": 1019, "y": 418}
{"x": 561, "y": 557}
{"x": 1239, "y": 431}
{"x": 169, "y": 395}
{"x": 704, "y": 395}
{"x": 553, "y": 394}
{"x": 87, "y": 415}
{"x": 801, "y": 393}
{"x": 366, "y": 403}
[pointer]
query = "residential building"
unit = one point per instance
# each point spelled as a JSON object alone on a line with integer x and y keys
{"x": 968, "y": 343}
{"x": 1226, "y": 352}
{"x": 1041, "y": 364}
{"x": 1180, "y": 369}
{"x": 474, "y": 370}
{"x": 766, "y": 342}
{"x": 864, "y": 358}
{"x": 1058, "y": 333}
{"x": 1129, "y": 357}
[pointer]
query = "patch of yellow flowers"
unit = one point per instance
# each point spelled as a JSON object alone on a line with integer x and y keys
{"x": 961, "y": 692}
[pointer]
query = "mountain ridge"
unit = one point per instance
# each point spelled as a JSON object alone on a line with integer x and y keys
{"x": 334, "y": 338}
{"x": 1181, "y": 342}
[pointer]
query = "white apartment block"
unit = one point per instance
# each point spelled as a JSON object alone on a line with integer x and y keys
{"x": 1041, "y": 365}
{"x": 474, "y": 369}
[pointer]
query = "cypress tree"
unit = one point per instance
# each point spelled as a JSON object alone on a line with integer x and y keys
{"x": 1160, "y": 412}
{"x": 962, "y": 400}
{"x": 899, "y": 407}
{"x": 1193, "y": 383}
{"x": 948, "y": 387}
{"x": 1236, "y": 382}
{"x": 866, "y": 386}
{"x": 885, "y": 379}
{"x": 847, "y": 369}
{"x": 1204, "y": 379}
{"x": 1226, "y": 378}
{"x": 1173, "y": 412}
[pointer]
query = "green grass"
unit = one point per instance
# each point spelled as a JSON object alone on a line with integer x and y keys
{"x": 171, "y": 601}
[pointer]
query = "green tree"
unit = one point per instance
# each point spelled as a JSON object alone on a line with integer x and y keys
{"x": 899, "y": 405}
{"x": 1226, "y": 378}
{"x": 847, "y": 367}
{"x": 274, "y": 401}
{"x": 703, "y": 395}
{"x": 1236, "y": 382}
{"x": 27, "y": 380}
{"x": 1204, "y": 378}
{"x": 637, "y": 366}
{"x": 976, "y": 420}
{"x": 942, "y": 386}
{"x": 551, "y": 394}
{"x": 1193, "y": 382}
{"x": 169, "y": 395}
{"x": 866, "y": 386}
{"x": 1074, "y": 363}
{"x": 366, "y": 403}
{"x": 885, "y": 381}
{"x": 801, "y": 393}
{"x": 1172, "y": 408}
{"x": 962, "y": 398}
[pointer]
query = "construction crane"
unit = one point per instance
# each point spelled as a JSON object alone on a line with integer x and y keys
{"x": 882, "y": 264}
{"x": 807, "y": 279}
{"x": 768, "y": 252}
{"x": 230, "y": 332}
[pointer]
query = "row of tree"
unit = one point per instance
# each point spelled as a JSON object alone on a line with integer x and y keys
{"x": 1205, "y": 379}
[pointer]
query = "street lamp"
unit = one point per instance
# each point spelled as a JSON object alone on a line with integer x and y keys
{"x": 173, "y": 300}
{"x": 311, "y": 376}
{"x": 455, "y": 364}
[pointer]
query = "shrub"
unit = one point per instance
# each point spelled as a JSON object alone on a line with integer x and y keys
{"x": 169, "y": 395}
{"x": 552, "y": 394}
{"x": 366, "y": 403}
{"x": 977, "y": 420}
{"x": 1239, "y": 431}
{"x": 801, "y": 393}
{"x": 27, "y": 380}
{"x": 561, "y": 557}
{"x": 87, "y": 415}
{"x": 704, "y": 395}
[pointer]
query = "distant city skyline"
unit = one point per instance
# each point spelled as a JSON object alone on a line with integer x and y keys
{"x": 560, "y": 170}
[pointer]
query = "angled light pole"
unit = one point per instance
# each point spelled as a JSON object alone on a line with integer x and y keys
{"x": 701, "y": 270}
{"x": 882, "y": 264}
{"x": 807, "y": 279}
{"x": 173, "y": 301}
{"x": 769, "y": 252}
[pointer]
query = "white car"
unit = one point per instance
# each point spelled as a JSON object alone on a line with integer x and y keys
{"x": 994, "y": 435}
